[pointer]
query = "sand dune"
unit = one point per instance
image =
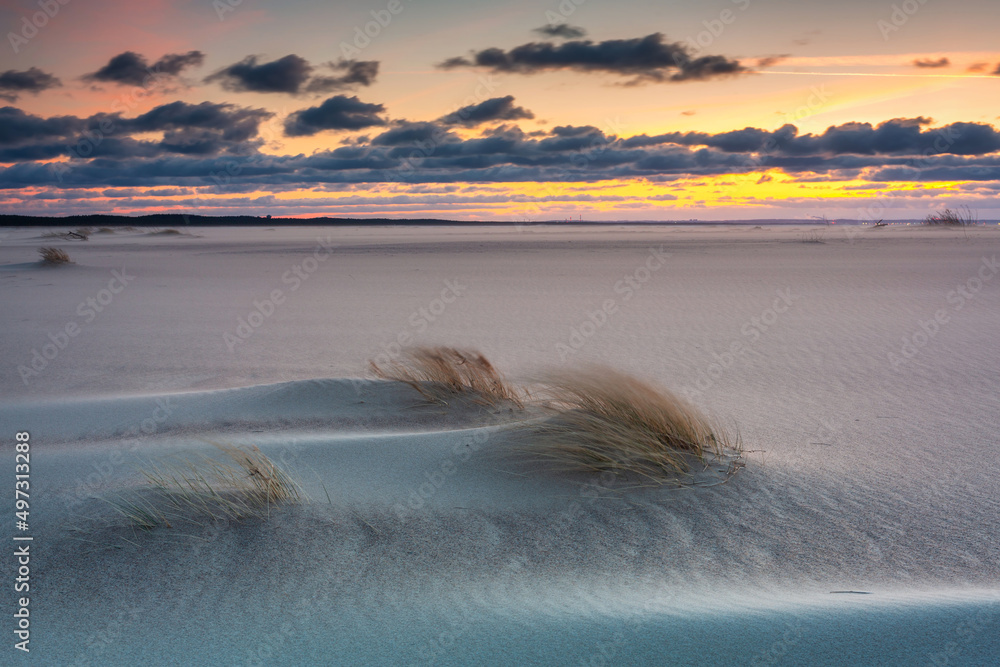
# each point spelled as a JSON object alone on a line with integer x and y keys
{"x": 862, "y": 531}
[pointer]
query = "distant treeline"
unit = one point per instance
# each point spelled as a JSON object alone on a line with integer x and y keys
{"x": 184, "y": 220}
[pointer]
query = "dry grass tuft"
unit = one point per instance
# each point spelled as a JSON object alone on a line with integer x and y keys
{"x": 443, "y": 373}
{"x": 605, "y": 420}
{"x": 812, "y": 236}
{"x": 963, "y": 216}
{"x": 54, "y": 256}
{"x": 246, "y": 486}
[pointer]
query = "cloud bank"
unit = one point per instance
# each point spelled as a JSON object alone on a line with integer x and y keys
{"x": 293, "y": 75}
{"x": 131, "y": 69}
{"x": 646, "y": 59}
{"x": 33, "y": 80}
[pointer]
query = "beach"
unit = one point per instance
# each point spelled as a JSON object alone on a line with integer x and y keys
{"x": 858, "y": 364}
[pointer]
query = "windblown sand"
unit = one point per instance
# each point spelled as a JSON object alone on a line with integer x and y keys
{"x": 863, "y": 373}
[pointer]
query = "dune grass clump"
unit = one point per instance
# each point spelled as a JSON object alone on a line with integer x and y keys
{"x": 441, "y": 374}
{"x": 54, "y": 256}
{"x": 247, "y": 485}
{"x": 962, "y": 217}
{"x": 813, "y": 236}
{"x": 604, "y": 420}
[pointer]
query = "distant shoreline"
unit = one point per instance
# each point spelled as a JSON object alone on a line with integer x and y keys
{"x": 184, "y": 220}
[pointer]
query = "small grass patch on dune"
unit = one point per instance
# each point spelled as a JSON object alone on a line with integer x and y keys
{"x": 595, "y": 419}
{"x": 244, "y": 485}
{"x": 442, "y": 374}
{"x": 962, "y": 217}
{"x": 606, "y": 421}
{"x": 54, "y": 256}
{"x": 812, "y": 236}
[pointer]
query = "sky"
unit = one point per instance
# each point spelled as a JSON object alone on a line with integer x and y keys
{"x": 501, "y": 111}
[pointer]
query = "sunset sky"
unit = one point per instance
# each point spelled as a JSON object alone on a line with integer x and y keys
{"x": 508, "y": 110}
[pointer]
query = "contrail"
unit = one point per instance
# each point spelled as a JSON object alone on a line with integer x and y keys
{"x": 922, "y": 76}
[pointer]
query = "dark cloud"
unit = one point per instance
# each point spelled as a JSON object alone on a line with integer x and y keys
{"x": 768, "y": 61}
{"x": 294, "y": 75}
{"x": 414, "y": 135}
{"x": 188, "y": 129}
{"x": 236, "y": 123}
{"x": 996, "y": 72}
{"x": 899, "y": 136}
{"x": 561, "y": 30}
{"x": 33, "y": 80}
{"x": 16, "y": 126}
{"x": 205, "y": 139}
{"x": 205, "y": 128}
{"x": 646, "y": 59}
{"x": 977, "y": 67}
{"x": 336, "y": 113}
{"x": 285, "y": 75}
{"x": 928, "y": 63}
{"x": 355, "y": 73}
{"x": 494, "y": 109}
{"x": 131, "y": 69}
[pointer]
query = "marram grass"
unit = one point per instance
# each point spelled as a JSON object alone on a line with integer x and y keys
{"x": 441, "y": 374}
{"x": 244, "y": 485}
{"x": 54, "y": 256}
{"x": 598, "y": 419}
{"x": 606, "y": 421}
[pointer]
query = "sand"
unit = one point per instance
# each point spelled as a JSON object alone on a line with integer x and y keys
{"x": 861, "y": 371}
